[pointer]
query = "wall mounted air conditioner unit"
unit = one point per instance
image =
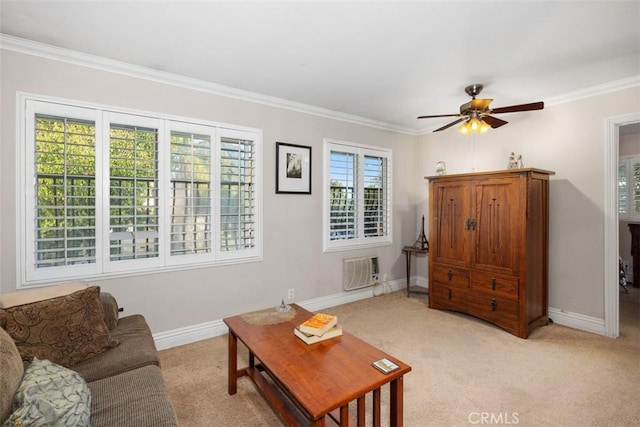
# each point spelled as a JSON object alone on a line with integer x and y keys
{"x": 359, "y": 272}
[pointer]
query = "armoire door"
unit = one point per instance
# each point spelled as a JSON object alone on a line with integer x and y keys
{"x": 499, "y": 210}
{"x": 449, "y": 223}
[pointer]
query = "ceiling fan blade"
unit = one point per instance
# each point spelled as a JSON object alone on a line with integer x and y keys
{"x": 439, "y": 115}
{"x": 451, "y": 124}
{"x": 494, "y": 122}
{"x": 521, "y": 107}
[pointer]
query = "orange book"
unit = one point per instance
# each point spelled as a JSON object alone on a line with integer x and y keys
{"x": 318, "y": 324}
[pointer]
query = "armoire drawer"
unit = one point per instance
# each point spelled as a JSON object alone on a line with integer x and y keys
{"x": 499, "y": 285}
{"x": 503, "y": 312}
{"x": 447, "y": 297}
{"x": 451, "y": 276}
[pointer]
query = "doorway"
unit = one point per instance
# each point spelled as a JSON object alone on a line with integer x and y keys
{"x": 629, "y": 232}
{"x": 611, "y": 240}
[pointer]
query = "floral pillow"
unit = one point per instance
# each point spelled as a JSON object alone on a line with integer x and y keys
{"x": 51, "y": 395}
{"x": 65, "y": 330}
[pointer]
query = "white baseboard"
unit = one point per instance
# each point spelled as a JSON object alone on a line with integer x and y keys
{"x": 577, "y": 321}
{"x": 189, "y": 334}
{"x": 203, "y": 331}
{"x": 421, "y": 281}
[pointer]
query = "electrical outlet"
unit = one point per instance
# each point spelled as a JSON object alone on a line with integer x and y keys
{"x": 290, "y": 294}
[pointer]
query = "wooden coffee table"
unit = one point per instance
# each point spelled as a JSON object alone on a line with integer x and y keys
{"x": 305, "y": 384}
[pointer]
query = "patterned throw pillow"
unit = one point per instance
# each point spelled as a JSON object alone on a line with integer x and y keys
{"x": 51, "y": 395}
{"x": 65, "y": 330}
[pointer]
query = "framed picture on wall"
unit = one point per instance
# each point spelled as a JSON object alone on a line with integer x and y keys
{"x": 293, "y": 169}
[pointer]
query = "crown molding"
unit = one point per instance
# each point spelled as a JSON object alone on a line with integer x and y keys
{"x": 601, "y": 89}
{"x": 42, "y": 50}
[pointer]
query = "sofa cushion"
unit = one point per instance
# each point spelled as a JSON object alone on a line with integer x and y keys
{"x": 12, "y": 299}
{"x": 136, "y": 349}
{"x": 11, "y": 370}
{"x": 132, "y": 399}
{"x": 65, "y": 330}
{"x": 51, "y": 395}
{"x": 110, "y": 309}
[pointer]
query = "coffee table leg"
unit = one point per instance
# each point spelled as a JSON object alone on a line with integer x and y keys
{"x": 376, "y": 408}
{"x": 317, "y": 423}
{"x": 233, "y": 363}
{"x": 396, "y": 392}
{"x": 361, "y": 411}
{"x": 344, "y": 415}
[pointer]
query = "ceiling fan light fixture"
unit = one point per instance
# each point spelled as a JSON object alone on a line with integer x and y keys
{"x": 474, "y": 125}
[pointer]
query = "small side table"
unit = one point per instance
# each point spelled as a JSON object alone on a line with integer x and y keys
{"x": 408, "y": 252}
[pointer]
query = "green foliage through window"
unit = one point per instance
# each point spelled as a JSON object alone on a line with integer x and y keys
{"x": 133, "y": 193}
{"x": 359, "y": 198}
{"x": 100, "y": 200}
{"x": 65, "y": 191}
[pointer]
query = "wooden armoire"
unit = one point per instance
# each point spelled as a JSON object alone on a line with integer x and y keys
{"x": 488, "y": 239}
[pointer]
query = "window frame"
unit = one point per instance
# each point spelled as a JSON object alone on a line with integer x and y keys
{"x": 30, "y": 105}
{"x": 109, "y": 118}
{"x": 237, "y": 134}
{"x": 210, "y": 256}
{"x": 360, "y": 240}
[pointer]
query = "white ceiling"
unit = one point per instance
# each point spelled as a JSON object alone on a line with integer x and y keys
{"x": 387, "y": 61}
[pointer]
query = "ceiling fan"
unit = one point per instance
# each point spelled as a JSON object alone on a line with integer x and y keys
{"x": 478, "y": 115}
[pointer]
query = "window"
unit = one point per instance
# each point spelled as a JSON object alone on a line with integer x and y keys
{"x": 109, "y": 192}
{"x": 133, "y": 173}
{"x": 629, "y": 188}
{"x": 237, "y": 194}
{"x": 190, "y": 198}
{"x": 64, "y": 194}
{"x": 357, "y": 196}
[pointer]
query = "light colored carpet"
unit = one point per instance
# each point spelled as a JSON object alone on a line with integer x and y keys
{"x": 465, "y": 371}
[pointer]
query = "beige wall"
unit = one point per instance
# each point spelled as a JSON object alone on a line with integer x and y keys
{"x": 293, "y": 256}
{"x": 566, "y": 138}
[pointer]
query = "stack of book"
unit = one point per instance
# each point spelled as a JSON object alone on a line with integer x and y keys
{"x": 318, "y": 328}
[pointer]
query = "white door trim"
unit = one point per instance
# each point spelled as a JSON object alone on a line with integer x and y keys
{"x": 611, "y": 224}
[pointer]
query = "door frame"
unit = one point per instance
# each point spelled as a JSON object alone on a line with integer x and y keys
{"x": 611, "y": 222}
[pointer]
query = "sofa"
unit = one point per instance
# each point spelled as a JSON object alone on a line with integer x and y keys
{"x": 68, "y": 358}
